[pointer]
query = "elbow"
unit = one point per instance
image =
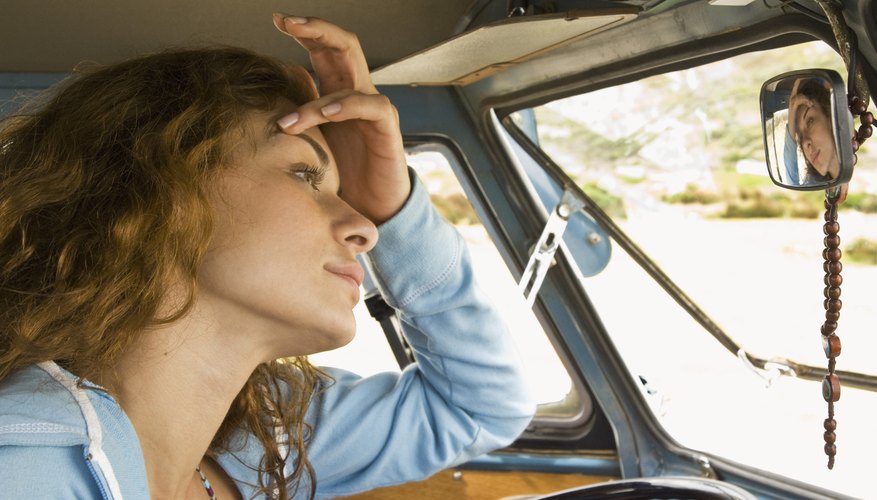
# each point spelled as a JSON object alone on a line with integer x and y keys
{"x": 495, "y": 433}
{"x": 498, "y": 431}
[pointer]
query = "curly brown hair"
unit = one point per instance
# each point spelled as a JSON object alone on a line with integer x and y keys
{"x": 104, "y": 199}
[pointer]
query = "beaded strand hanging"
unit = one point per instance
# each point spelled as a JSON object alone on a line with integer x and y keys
{"x": 833, "y": 280}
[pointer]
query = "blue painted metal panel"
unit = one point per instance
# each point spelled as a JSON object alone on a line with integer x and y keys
{"x": 16, "y": 88}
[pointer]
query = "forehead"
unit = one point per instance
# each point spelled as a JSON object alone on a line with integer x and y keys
{"x": 263, "y": 135}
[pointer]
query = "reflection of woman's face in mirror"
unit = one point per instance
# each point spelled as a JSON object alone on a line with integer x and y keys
{"x": 811, "y": 125}
{"x": 817, "y": 140}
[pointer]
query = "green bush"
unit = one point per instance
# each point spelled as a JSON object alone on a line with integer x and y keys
{"x": 801, "y": 208}
{"x": 755, "y": 210}
{"x": 862, "y": 251}
{"x": 692, "y": 194}
{"x": 756, "y": 203}
{"x": 863, "y": 202}
{"x": 611, "y": 204}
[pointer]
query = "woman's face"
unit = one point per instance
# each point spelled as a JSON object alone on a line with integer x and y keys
{"x": 281, "y": 266}
{"x": 817, "y": 140}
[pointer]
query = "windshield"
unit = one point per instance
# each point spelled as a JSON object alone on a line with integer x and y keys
{"x": 678, "y": 161}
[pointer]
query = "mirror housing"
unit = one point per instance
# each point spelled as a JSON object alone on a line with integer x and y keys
{"x": 807, "y": 130}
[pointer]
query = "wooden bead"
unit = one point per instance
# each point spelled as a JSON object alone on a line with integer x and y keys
{"x": 865, "y": 132}
{"x": 831, "y": 227}
{"x": 828, "y": 328}
{"x": 856, "y": 143}
{"x": 829, "y": 437}
{"x": 867, "y": 118}
{"x": 834, "y": 254}
{"x": 831, "y": 388}
{"x": 834, "y": 305}
{"x": 832, "y": 315}
{"x": 835, "y": 280}
{"x": 835, "y": 267}
{"x": 831, "y": 241}
{"x": 859, "y": 107}
{"x": 831, "y": 346}
{"x": 830, "y": 449}
{"x": 829, "y": 424}
{"x": 831, "y": 292}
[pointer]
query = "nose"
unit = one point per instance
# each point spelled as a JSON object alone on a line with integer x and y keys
{"x": 808, "y": 144}
{"x": 355, "y": 230}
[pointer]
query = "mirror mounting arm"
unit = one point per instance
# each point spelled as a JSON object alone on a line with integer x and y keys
{"x": 846, "y": 43}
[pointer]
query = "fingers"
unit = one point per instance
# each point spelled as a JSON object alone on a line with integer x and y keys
{"x": 844, "y": 189}
{"x": 336, "y": 54}
{"x": 344, "y": 106}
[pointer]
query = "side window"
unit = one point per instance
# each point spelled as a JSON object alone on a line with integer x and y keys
{"x": 17, "y": 88}
{"x": 369, "y": 352}
{"x": 677, "y": 160}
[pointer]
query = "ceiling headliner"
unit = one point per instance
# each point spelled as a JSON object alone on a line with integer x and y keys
{"x": 55, "y": 35}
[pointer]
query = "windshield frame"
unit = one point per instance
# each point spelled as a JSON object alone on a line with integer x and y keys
{"x": 645, "y": 448}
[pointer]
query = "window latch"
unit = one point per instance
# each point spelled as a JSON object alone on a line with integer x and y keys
{"x": 771, "y": 371}
{"x": 548, "y": 243}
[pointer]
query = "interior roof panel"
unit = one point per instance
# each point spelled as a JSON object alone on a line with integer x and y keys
{"x": 55, "y": 35}
{"x": 690, "y": 22}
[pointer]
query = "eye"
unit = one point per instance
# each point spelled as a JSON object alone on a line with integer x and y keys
{"x": 310, "y": 174}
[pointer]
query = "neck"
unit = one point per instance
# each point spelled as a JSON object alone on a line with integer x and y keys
{"x": 176, "y": 386}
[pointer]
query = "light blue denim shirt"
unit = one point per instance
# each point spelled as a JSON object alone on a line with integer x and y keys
{"x": 465, "y": 395}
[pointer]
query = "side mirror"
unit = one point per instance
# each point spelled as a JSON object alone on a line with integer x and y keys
{"x": 808, "y": 130}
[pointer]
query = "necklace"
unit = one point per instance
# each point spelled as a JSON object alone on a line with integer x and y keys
{"x": 206, "y": 484}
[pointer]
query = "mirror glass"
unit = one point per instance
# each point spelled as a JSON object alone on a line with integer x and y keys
{"x": 807, "y": 129}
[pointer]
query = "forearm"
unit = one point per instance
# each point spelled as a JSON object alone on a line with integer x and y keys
{"x": 460, "y": 341}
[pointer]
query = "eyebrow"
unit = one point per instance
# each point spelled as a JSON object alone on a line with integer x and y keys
{"x": 804, "y": 116}
{"x": 321, "y": 153}
{"x": 322, "y": 156}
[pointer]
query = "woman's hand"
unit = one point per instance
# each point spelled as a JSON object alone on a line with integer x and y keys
{"x": 798, "y": 104}
{"x": 360, "y": 125}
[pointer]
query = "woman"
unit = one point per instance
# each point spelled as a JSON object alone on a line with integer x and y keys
{"x": 172, "y": 227}
{"x": 810, "y": 125}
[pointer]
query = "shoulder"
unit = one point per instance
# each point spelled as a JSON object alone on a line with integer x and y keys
{"x": 41, "y": 433}
{"x": 45, "y": 472}
{"x": 37, "y": 409}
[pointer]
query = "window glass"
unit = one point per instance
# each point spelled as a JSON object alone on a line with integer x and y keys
{"x": 678, "y": 161}
{"x": 369, "y": 352}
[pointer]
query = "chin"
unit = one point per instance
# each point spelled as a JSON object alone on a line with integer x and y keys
{"x": 325, "y": 339}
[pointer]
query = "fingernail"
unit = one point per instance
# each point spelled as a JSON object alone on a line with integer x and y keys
{"x": 296, "y": 19}
{"x": 288, "y": 120}
{"x": 331, "y": 109}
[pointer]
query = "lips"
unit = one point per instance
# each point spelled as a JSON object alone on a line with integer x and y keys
{"x": 350, "y": 270}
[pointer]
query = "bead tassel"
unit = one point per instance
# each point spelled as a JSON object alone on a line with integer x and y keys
{"x": 832, "y": 304}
